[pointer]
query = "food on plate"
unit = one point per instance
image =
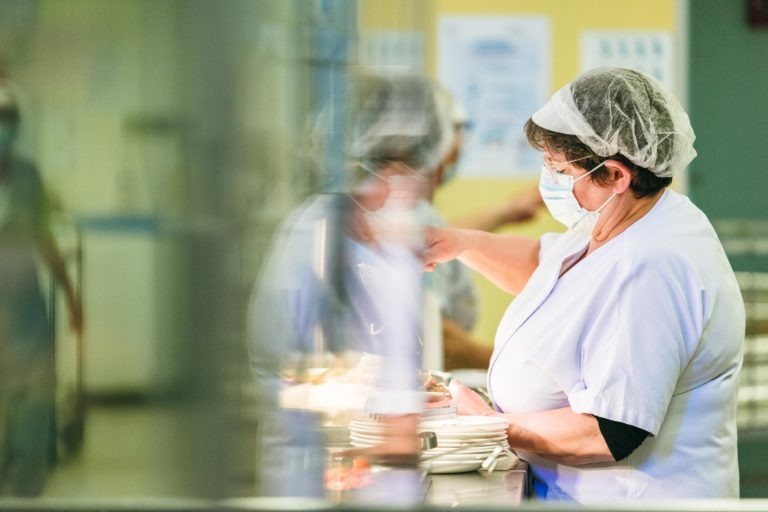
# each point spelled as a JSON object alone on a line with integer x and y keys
{"x": 432, "y": 385}
{"x": 345, "y": 479}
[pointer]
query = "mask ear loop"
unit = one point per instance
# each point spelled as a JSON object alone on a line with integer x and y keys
{"x": 576, "y": 160}
{"x": 358, "y": 163}
{"x": 358, "y": 204}
{"x": 605, "y": 203}
{"x": 597, "y": 236}
{"x": 590, "y": 171}
{"x": 359, "y": 187}
{"x": 599, "y": 208}
{"x": 408, "y": 171}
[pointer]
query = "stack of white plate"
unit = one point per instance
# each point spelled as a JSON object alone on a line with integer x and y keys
{"x": 365, "y": 432}
{"x": 443, "y": 412}
{"x": 465, "y": 442}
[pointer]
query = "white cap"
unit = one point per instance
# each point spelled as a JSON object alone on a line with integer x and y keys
{"x": 623, "y": 111}
{"x": 548, "y": 117}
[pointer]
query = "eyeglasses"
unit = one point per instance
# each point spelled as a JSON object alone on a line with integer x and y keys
{"x": 550, "y": 165}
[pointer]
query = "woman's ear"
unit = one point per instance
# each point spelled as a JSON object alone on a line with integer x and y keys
{"x": 619, "y": 176}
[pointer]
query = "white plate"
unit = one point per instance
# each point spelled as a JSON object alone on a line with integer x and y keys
{"x": 455, "y": 446}
{"x": 459, "y": 457}
{"x": 468, "y": 449}
{"x": 377, "y": 435}
{"x": 450, "y": 467}
{"x": 467, "y": 423}
{"x": 366, "y": 440}
{"x": 372, "y": 439}
{"x": 468, "y": 439}
{"x": 368, "y": 430}
{"x": 442, "y": 444}
{"x": 446, "y": 443}
{"x": 362, "y": 444}
{"x": 366, "y": 423}
{"x": 447, "y": 434}
{"x": 442, "y": 416}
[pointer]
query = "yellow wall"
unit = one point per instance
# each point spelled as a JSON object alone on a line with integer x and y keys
{"x": 567, "y": 19}
{"x": 396, "y": 15}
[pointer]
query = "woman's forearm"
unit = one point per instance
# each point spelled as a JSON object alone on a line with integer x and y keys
{"x": 506, "y": 260}
{"x": 560, "y": 435}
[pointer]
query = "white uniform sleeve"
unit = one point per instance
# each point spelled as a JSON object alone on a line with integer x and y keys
{"x": 639, "y": 344}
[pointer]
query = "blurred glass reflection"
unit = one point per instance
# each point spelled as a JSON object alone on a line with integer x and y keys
{"x": 186, "y": 148}
{"x": 335, "y": 320}
{"x": 210, "y": 213}
{"x": 26, "y": 371}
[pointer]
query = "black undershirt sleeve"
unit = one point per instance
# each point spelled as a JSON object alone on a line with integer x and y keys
{"x": 622, "y": 439}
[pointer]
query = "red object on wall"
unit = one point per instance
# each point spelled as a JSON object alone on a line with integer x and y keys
{"x": 757, "y": 13}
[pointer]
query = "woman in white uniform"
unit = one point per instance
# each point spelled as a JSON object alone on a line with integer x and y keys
{"x": 617, "y": 364}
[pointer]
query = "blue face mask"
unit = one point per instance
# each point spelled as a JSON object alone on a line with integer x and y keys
{"x": 557, "y": 192}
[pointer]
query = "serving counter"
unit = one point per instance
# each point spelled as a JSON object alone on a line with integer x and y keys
{"x": 391, "y": 486}
{"x": 500, "y": 488}
{"x": 445, "y": 478}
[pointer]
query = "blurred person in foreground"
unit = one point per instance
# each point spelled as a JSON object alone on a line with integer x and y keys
{"x": 344, "y": 273}
{"x": 617, "y": 364}
{"x": 27, "y": 378}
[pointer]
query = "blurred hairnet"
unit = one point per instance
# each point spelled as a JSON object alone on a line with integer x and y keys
{"x": 399, "y": 118}
{"x": 618, "y": 110}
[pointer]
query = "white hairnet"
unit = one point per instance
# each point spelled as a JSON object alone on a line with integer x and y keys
{"x": 623, "y": 111}
{"x": 399, "y": 118}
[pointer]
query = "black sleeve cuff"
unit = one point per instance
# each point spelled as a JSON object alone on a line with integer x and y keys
{"x": 622, "y": 439}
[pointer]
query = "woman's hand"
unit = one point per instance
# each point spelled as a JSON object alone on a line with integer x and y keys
{"x": 469, "y": 403}
{"x": 506, "y": 260}
{"x": 444, "y": 244}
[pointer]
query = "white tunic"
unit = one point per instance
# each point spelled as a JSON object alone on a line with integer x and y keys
{"x": 648, "y": 330}
{"x": 298, "y": 296}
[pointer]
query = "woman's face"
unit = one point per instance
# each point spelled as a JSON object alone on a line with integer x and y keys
{"x": 395, "y": 184}
{"x": 590, "y": 194}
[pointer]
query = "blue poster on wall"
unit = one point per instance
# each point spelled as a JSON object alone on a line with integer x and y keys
{"x": 498, "y": 68}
